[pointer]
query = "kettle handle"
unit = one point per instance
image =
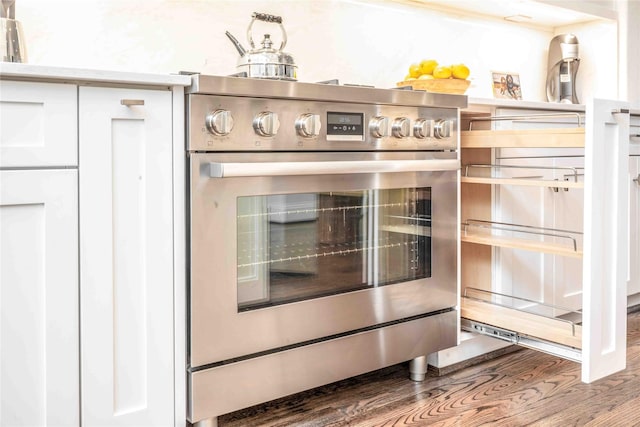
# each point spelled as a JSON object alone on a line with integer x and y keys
{"x": 265, "y": 17}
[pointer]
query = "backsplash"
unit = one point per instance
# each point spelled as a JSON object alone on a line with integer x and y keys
{"x": 360, "y": 42}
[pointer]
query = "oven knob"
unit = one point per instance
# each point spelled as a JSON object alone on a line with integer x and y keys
{"x": 220, "y": 122}
{"x": 266, "y": 123}
{"x": 378, "y": 126}
{"x": 308, "y": 125}
{"x": 401, "y": 127}
{"x": 442, "y": 129}
{"x": 422, "y": 128}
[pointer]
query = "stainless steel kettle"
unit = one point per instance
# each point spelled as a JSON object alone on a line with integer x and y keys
{"x": 265, "y": 62}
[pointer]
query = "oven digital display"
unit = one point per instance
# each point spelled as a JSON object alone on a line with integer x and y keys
{"x": 345, "y": 126}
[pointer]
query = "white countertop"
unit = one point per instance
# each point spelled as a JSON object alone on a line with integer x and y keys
{"x": 78, "y": 75}
{"x": 480, "y": 103}
{"x": 486, "y": 103}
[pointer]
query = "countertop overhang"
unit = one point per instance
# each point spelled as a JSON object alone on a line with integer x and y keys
{"x": 19, "y": 71}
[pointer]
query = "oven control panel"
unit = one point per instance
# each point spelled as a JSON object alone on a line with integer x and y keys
{"x": 225, "y": 123}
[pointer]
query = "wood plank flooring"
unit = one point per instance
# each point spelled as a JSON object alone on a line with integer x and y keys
{"x": 523, "y": 388}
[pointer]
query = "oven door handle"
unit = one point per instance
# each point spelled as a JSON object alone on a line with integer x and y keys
{"x": 234, "y": 170}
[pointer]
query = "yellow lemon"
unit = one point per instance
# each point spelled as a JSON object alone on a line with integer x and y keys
{"x": 460, "y": 71}
{"x": 442, "y": 72}
{"x": 428, "y": 65}
{"x": 414, "y": 70}
{"x": 425, "y": 77}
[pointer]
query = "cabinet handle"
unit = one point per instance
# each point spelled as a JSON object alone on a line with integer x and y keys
{"x": 130, "y": 102}
{"x": 620, "y": 111}
{"x": 637, "y": 180}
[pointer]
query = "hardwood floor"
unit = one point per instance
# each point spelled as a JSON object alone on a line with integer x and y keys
{"x": 521, "y": 388}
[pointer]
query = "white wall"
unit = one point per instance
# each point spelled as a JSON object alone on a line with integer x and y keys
{"x": 629, "y": 51}
{"x": 356, "y": 41}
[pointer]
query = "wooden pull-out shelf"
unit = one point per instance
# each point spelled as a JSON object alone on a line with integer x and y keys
{"x": 416, "y": 230}
{"x": 555, "y": 336}
{"x": 536, "y": 324}
{"x": 518, "y": 243}
{"x": 553, "y": 330}
{"x": 535, "y": 138}
{"x": 481, "y": 232}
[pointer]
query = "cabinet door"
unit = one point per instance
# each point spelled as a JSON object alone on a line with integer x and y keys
{"x": 39, "y": 124}
{"x": 605, "y": 269}
{"x": 39, "y": 367}
{"x": 634, "y": 225}
{"x": 126, "y": 261}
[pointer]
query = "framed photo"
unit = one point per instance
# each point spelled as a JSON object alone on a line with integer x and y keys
{"x": 506, "y": 85}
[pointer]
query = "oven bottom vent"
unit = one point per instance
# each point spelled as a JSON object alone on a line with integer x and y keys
{"x": 318, "y": 340}
{"x": 228, "y": 387}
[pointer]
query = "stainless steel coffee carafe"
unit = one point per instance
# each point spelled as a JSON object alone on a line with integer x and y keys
{"x": 12, "y": 46}
{"x": 562, "y": 67}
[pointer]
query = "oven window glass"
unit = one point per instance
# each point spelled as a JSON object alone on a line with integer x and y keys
{"x": 295, "y": 247}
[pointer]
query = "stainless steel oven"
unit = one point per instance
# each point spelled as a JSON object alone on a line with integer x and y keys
{"x": 323, "y": 235}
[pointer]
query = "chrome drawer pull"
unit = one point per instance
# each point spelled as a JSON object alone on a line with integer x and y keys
{"x": 130, "y": 102}
{"x": 637, "y": 180}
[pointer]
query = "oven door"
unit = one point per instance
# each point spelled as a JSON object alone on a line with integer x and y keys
{"x": 287, "y": 249}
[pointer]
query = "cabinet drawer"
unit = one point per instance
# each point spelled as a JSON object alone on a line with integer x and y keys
{"x": 39, "y": 123}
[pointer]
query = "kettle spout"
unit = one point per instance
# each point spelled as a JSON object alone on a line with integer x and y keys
{"x": 236, "y": 43}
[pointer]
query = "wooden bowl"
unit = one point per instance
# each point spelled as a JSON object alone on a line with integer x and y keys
{"x": 454, "y": 86}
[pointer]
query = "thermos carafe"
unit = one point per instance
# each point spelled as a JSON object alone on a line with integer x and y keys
{"x": 12, "y": 45}
{"x": 562, "y": 68}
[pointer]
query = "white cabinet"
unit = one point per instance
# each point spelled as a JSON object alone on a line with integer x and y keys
{"x": 595, "y": 206}
{"x": 91, "y": 245}
{"x": 39, "y": 376}
{"x": 542, "y": 13}
{"x": 126, "y": 257}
